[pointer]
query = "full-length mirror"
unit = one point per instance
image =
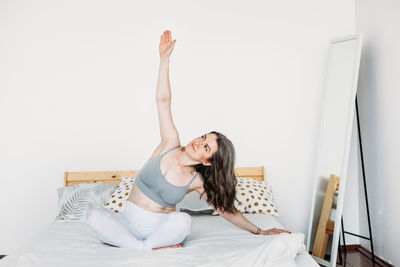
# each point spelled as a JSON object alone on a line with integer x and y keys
{"x": 333, "y": 149}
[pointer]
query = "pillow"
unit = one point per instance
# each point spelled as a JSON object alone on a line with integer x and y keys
{"x": 193, "y": 202}
{"x": 198, "y": 212}
{"x": 118, "y": 198}
{"x": 75, "y": 201}
{"x": 254, "y": 196}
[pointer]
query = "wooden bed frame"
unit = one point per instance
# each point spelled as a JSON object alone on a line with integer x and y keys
{"x": 115, "y": 177}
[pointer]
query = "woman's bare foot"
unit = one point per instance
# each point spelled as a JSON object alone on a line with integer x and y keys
{"x": 172, "y": 246}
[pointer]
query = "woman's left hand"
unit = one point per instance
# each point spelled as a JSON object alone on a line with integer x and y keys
{"x": 274, "y": 231}
{"x": 166, "y": 44}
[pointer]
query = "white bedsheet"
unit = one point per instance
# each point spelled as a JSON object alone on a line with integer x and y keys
{"x": 213, "y": 242}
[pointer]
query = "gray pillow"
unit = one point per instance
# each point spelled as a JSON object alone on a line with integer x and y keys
{"x": 193, "y": 202}
{"x": 197, "y": 212}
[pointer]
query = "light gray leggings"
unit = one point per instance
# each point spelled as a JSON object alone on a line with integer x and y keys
{"x": 139, "y": 228}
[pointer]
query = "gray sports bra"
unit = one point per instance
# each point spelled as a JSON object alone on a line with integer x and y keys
{"x": 152, "y": 183}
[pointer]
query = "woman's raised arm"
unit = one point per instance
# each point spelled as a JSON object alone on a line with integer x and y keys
{"x": 168, "y": 132}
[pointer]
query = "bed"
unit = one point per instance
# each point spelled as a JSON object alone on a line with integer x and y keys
{"x": 213, "y": 241}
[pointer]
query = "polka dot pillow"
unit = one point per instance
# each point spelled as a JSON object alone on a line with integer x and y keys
{"x": 118, "y": 198}
{"x": 254, "y": 196}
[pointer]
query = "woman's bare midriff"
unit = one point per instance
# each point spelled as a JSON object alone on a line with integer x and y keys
{"x": 139, "y": 198}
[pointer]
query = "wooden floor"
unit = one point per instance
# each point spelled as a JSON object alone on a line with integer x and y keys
{"x": 360, "y": 257}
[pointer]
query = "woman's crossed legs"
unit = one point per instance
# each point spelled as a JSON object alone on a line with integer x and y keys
{"x": 139, "y": 228}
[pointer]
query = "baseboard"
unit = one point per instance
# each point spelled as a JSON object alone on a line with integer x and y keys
{"x": 350, "y": 247}
{"x": 2, "y": 256}
{"x": 366, "y": 253}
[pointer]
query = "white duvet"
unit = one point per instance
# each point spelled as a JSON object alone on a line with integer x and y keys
{"x": 213, "y": 242}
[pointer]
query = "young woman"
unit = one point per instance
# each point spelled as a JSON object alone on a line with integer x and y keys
{"x": 206, "y": 164}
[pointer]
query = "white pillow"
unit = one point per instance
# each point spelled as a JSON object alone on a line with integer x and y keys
{"x": 75, "y": 201}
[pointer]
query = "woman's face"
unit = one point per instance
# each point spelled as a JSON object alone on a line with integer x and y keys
{"x": 203, "y": 147}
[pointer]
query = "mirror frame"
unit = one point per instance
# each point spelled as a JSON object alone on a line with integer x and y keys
{"x": 345, "y": 159}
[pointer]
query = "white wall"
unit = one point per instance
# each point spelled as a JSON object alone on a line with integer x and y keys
{"x": 78, "y": 81}
{"x": 379, "y": 97}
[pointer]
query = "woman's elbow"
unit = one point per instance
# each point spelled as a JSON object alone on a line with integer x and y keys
{"x": 228, "y": 215}
{"x": 163, "y": 100}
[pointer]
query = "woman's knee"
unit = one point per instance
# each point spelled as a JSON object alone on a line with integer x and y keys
{"x": 182, "y": 219}
{"x": 94, "y": 216}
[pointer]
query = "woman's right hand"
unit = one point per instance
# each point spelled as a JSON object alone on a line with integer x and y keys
{"x": 166, "y": 44}
{"x": 274, "y": 231}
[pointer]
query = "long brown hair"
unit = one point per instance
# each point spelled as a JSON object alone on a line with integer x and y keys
{"x": 219, "y": 179}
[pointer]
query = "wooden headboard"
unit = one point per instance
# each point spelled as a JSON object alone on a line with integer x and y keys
{"x": 114, "y": 177}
